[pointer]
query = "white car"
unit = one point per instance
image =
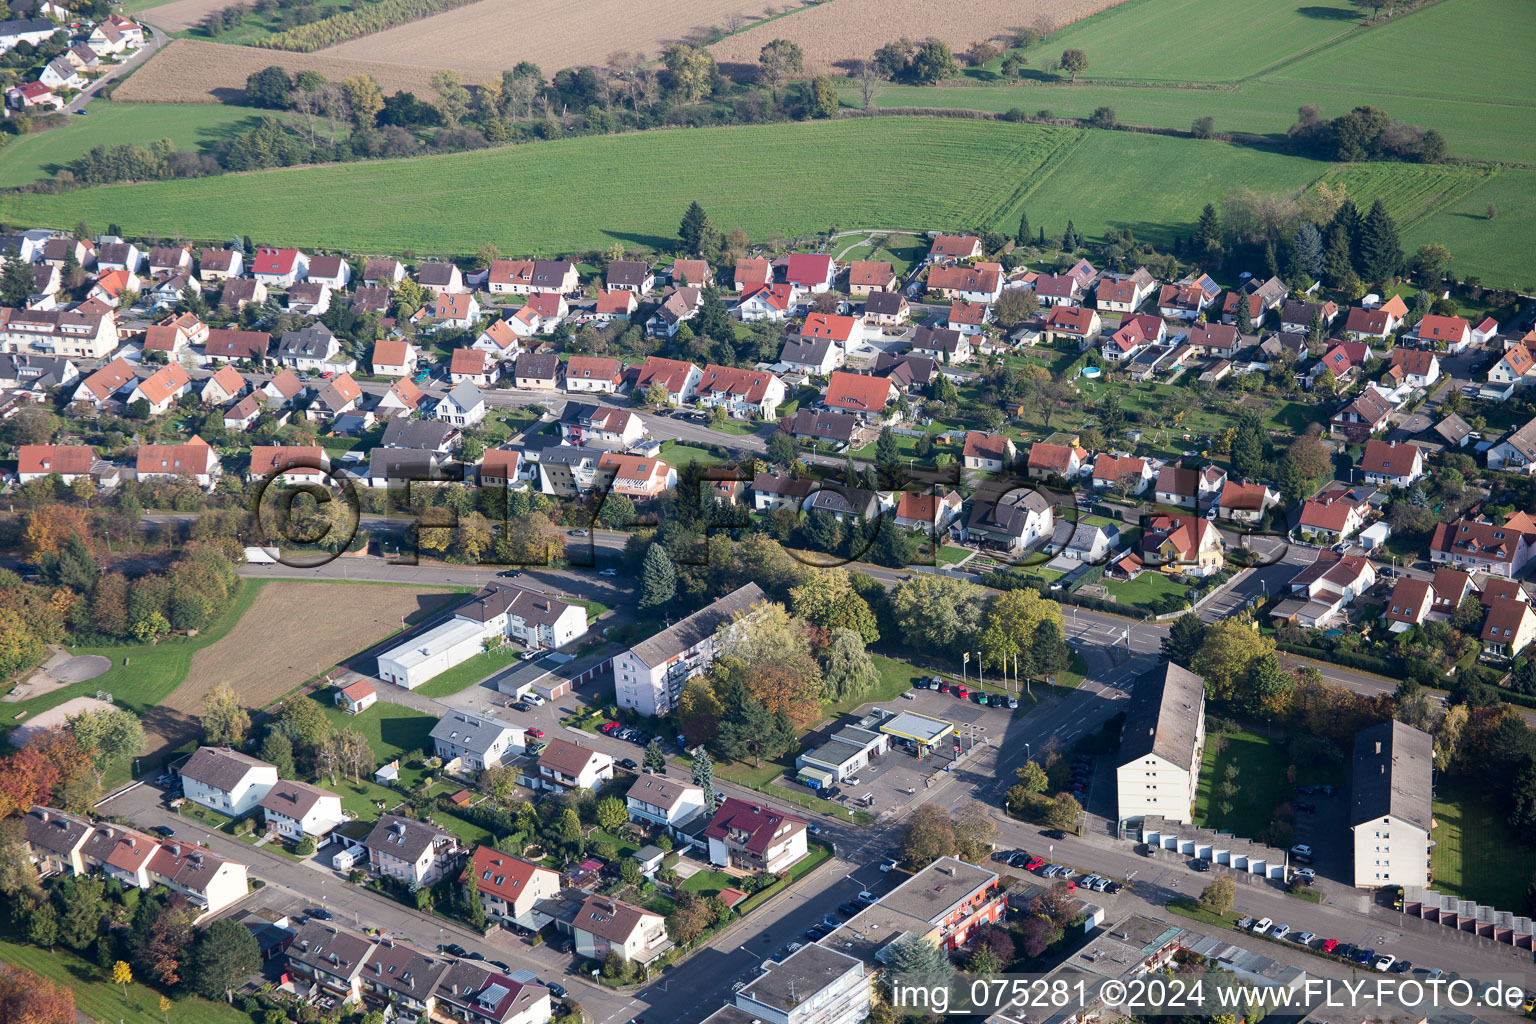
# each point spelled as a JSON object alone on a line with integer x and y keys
{"x": 888, "y": 866}
{"x": 1384, "y": 962}
{"x": 1262, "y": 925}
{"x": 535, "y": 700}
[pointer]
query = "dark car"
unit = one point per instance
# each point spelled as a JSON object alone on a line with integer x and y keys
{"x": 629, "y": 763}
{"x": 506, "y": 967}
{"x": 475, "y": 954}
{"x": 321, "y": 913}
{"x": 521, "y": 705}
{"x": 454, "y": 948}
{"x": 1113, "y": 887}
{"x": 555, "y": 989}
{"x": 996, "y": 700}
{"x": 1200, "y": 864}
{"x": 163, "y": 830}
{"x": 849, "y": 909}
{"x": 1053, "y": 833}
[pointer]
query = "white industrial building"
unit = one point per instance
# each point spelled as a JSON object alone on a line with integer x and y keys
{"x": 536, "y": 620}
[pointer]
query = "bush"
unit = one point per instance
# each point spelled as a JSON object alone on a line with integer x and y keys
{"x": 305, "y": 847}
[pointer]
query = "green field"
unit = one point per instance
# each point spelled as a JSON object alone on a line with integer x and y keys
{"x": 1476, "y": 854}
{"x": 1262, "y": 785}
{"x": 191, "y": 126}
{"x": 390, "y": 729}
{"x": 1256, "y": 63}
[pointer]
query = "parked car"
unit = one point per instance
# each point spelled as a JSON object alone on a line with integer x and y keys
{"x": 535, "y": 700}
{"x": 163, "y": 830}
{"x": 1053, "y": 833}
{"x": 505, "y": 967}
{"x": 535, "y": 732}
{"x": 609, "y": 572}
{"x": 1034, "y": 863}
{"x": 1087, "y": 883}
{"x": 962, "y": 691}
{"x": 1302, "y": 852}
{"x": 1013, "y": 702}
{"x": 1200, "y": 864}
{"x": 1329, "y": 945}
{"x": 1262, "y": 926}
{"x": 944, "y": 687}
{"x": 1245, "y": 923}
{"x": 1306, "y": 875}
{"x": 1280, "y": 931}
{"x": 1303, "y": 938}
{"x": 453, "y": 948}
{"x": 1102, "y": 885}
{"x": 1364, "y": 956}
{"x": 321, "y": 913}
{"x": 555, "y": 989}
{"x": 628, "y": 762}
{"x": 849, "y": 909}
{"x": 978, "y": 697}
{"x": 888, "y": 866}
{"x": 520, "y": 705}
{"x": 1384, "y": 962}
{"x": 867, "y": 898}
{"x": 1067, "y": 873}
{"x": 1113, "y": 887}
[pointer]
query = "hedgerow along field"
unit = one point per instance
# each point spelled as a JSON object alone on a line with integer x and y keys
{"x": 792, "y": 179}
{"x": 196, "y": 71}
{"x": 1140, "y": 54}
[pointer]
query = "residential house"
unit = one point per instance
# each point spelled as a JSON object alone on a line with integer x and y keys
{"x": 227, "y": 345}
{"x": 332, "y": 271}
{"x": 635, "y": 476}
{"x": 33, "y": 95}
{"x": 969, "y": 284}
{"x": 283, "y": 388}
{"x": 568, "y": 471}
{"x": 402, "y": 979}
{"x": 107, "y": 382}
{"x": 510, "y": 277}
{"x": 456, "y": 311}
{"x": 473, "y": 366}
{"x": 1395, "y": 463}
{"x": 411, "y": 851}
{"x": 536, "y": 371}
{"x": 1129, "y": 340}
{"x": 464, "y": 406}
{"x": 1179, "y": 486}
{"x": 1246, "y": 502}
{"x": 111, "y": 285}
{"x": 168, "y": 289}
{"x": 593, "y": 374}
{"x": 1059, "y": 290}
{"x": 910, "y": 373}
{"x": 279, "y": 268}
{"x": 955, "y": 247}
{"x": 394, "y": 358}
{"x": 863, "y": 397}
{"x": 968, "y": 317}
{"x": 72, "y": 333}
{"x": 1162, "y": 745}
{"x": 1454, "y": 431}
{"x": 604, "y": 426}
{"x": 766, "y": 302}
{"x": 816, "y": 357}
{"x": 926, "y": 511}
{"x": 1322, "y": 591}
{"x": 1392, "y": 806}
{"x": 1217, "y": 340}
{"x": 357, "y": 697}
{"x": 440, "y": 278}
{"x": 845, "y": 504}
{"x": 472, "y": 742}
{"x": 161, "y": 388}
{"x": 328, "y": 959}
{"x": 402, "y": 467}
{"x": 987, "y": 453}
{"x": 501, "y": 339}
{"x": 770, "y": 491}
{"x": 239, "y": 291}
{"x": 616, "y": 304}
{"x": 335, "y": 397}
{"x": 1410, "y": 603}
{"x": 1508, "y": 629}
{"x": 226, "y": 780}
{"x": 169, "y": 259}
{"x": 470, "y": 992}
{"x": 1485, "y": 331}
{"x": 1124, "y": 293}
{"x": 1361, "y": 416}
{"x": 383, "y": 272}
{"x": 744, "y": 394}
{"x": 810, "y": 272}
{"x": 678, "y": 378}
{"x": 57, "y": 250}
{"x": 566, "y": 765}
{"x": 630, "y": 276}
{"x": 1262, "y": 297}
{"x": 679, "y": 305}
{"x": 1515, "y": 368}
{"x": 116, "y": 254}
{"x": 691, "y": 272}
{"x": 68, "y": 462}
{"x": 1297, "y": 316}
{"x": 1331, "y": 519}
{"x": 295, "y": 810}
{"x": 868, "y": 276}
{"x": 1011, "y": 520}
{"x": 844, "y": 331}
{"x": 223, "y": 387}
{"x": 657, "y": 800}
{"x": 1187, "y": 299}
{"x": 650, "y": 675}
{"x": 1182, "y": 545}
{"x": 752, "y": 273}
{"x": 1088, "y": 542}
{"x": 510, "y": 888}
{"x": 1516, "y": 451}
{"x": 1417, "y": 367}
{"x": 115, "y": 34}
{"x": 402, "y": 399}
{"x": 558, "y": 276}
{"x": 942, "y": 345}
{"x": 500, "y": 467}
{"x": 886, "y": 309}
{"x": 1450, "y": 333}
{"x": 1473, "y": 545}
{"x": 1377, "y": 323}
{"x": 1075, "y": 323}
{"x": 309, "y": 348}
{"x": 605, "y": 926}
{"x": 754, "y": 837}
{"x": 1055, "y": 460}
{"x": 1114, "y": 471}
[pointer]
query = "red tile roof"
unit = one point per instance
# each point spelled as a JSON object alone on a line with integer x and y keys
{"x": 808, "y": 269}
{"x": 468, "y": 360}
{"x": 858, "y": 392}
{"x": 751, "y": 826}
{"x": 672, "y": 373}
{"x": 829, "y": 325}
{"x": 750, "y": 385}
{"x": 1390, "y": 459}
{"x": 274, "y": 261}
{"x": 64, "y": 459}
{"x": 753, "y": 271}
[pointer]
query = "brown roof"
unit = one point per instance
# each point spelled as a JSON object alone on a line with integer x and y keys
{"x": 1389, "y": 459}
{"x": 468, "y": 360}
{"x": 869, "y": 272}
{"x": 858, "y": 392}
{"x": 591, "y": 367}
{"x": 391, "y": 352}
{"x": 566, "y": 757}
{"x": 753, "y": 271}
{"x": 55, "y": 458}
{"x": 660, "y": 791}
{"x": 267, "y": 459}
{"x": 164, "y": 383}
{"x": 985, "y": 446}
{"x": 504, "y": 876}
{"x": 610, "y": 919}
{"x": 293, "y": 799}
{"x": 751, "y": 826}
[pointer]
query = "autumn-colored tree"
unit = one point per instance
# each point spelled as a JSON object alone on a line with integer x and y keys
{"x": 1230, "y": 649}
{"x": 122, "y": 974}
{"x": 929, "y": 834}
{"x": 50, "y": 527}
{"x": 28, "y": 998}
{"x": 27, "y": 777}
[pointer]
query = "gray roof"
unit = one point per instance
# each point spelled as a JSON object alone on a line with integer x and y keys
{"x": 517, "y": 602}
{"x": 439, "y": 275}
{"x": 394, "y": 965}
{"x": 329, "y": 948}
{"x": 475, "y": 733}
{"x": 465, "y": 395}
{"x": 293, "y": 799}
{"x": 402, "y": 463}
{"x": 430, "y": 434}
{"x": 404, "y": 838}
{"x": 1394, "y": 771}
{"x": 696, "y": 627}
{"x": 884, "y": 303}
{"x": 1006, "y": 513}
{"x": 806, "y": 351}
{"x": 627, "y": 272}
{"x": 934, "y": 891}
{"x": 940, "y": 339}
{"x": 313, "y": 342}
{"x": 548, "y": 275}
{"x": 541, "y": 366}
{"x": 220, "y": 767}
{"x": 16, "y": 28}
{"x": 1453, "y": 428}
{"x": 55, "y": 830}
{"x": 801, "y": 975}
{"x": 1164, "y": 717}
{"x": 839, "y": 426}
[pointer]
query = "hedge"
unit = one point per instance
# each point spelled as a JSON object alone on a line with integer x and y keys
{"x": 361, "y": 22}
{"x": 1389, "y": 667}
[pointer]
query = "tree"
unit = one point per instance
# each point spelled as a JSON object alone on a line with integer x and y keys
{"x": 225, "y": 722}
{"x": 365, "y": 98}
{"x": 984, "y": 960}
{"x": 932, "y": 62}
{"x": 1063, "y": 811}
{"x": 1103, "y": 117}
{"x": 928, "y": 835}
{"x": 1014, "y": 306}
{"x": 1311, "y": 457}
{"x": 778, "y": 62}
{"x": 849, "y": 671}
{"x": 974, "y": 831}
{"x": 277, "y": 750}
{"x": 1338, "y": 265}
{"x": 691, "y": 70}
{"x": 29, "y": 998}
{"x": 1229, "y": 651}
{"x": 1249, "y": 441}
{"x": 109, "y": 734}
{"x": 43, "y": 925}
{"x": 655, "y": 758}
{"x": 1023, "y": 237}
{"x": 658, "y": 578}
{"x": 693, "y": 228}
{"x": 452, "y": 98}
{"x": 568, "y": 832}
{"x": 1207, "y": 239}
{"x": 1218, "y": 896}
{"x": 916, "y": 961}
{"x": 751, "y": 730}
{"x": 1049, "y": 652}
{"x": 16, "y": 284}
{"x": 938, "y": 613}
{"x": 122, "y": 974}
{"x": 1244, "y": 315}
{"x": 1183, "y": 639}
{"x": 1203, "y": 128}
{"x": 611, "y": 814}
{"x": 1430, "y": 263}
{"x": 1306, "y": 260}
{"x": 782, "y": 450}
{"x": 270, "y": 87}
{"x": 1074, "y": 62}
{"x": 1033, "y": 777}
{"x": 1269, "y": 688}
{"x": 224, "y": 954}
{"x": 704, "y": 778}
{"x": 1381, "y": 251}
{"x": 304, "y": 723}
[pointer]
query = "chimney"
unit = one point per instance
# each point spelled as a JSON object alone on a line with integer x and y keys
{"x": 1378, "y": 746}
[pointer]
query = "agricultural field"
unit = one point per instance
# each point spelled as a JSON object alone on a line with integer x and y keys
{"x": 191, "y": 127}
{"x": 294, "y": 630}
{"x": 936, "y": 172}
{"x": 181, "y": 17}
{"x": 1498, "y": 250}
{"x": 1329, "y": 61}
{"x": 475, "y": 40}
{"x": 833, "y": 35}
{"x": 196, "y": 71}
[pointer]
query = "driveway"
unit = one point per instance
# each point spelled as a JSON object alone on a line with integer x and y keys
{"x": 153, "y": 40}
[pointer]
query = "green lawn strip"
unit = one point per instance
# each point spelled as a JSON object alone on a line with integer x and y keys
{"x": 626, "y": 847}
{"x": 708, "y": 883}
{"x": 468, "y": 673}
{"x": 1476, "y": 855}
{"x": 1262, "y": 782}
{"x": 392, "y": 730}
{"x": 680, "y": 454}
{"x": 817, "y": 854}
{"x": 1186, "y": 907}
{"x": 1145, "y": 589}
{"x": 99, "y": 999}
{"x": 362, "y": 798}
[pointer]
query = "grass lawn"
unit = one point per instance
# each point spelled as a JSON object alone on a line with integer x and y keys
{"x": 362, "y": 798}
{"x": 1262, "y": 785}
{"x": 708, "y": 883}
{"x": 1146, "y": 588}
{"x": 737, "y": 428}
{"x": 680, "y": 454}
{"x": 625, "y": 846}
{"x": 951, "y": 555}
{"x": 99, "y": 999}
{"x": 467, "y": 674}
{"x": 257, "y": 25}
{"x": 390, "y": 729}
{"x": 190, "y": 126}
{"x": 1476, "y": 855}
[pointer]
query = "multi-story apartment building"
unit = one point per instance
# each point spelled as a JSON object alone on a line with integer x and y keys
{"x": 1391, "y": 815}
{"x": 1161, "y": 747}
{"x": 411, "y": 851}
{"x": 649, "y": 677}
